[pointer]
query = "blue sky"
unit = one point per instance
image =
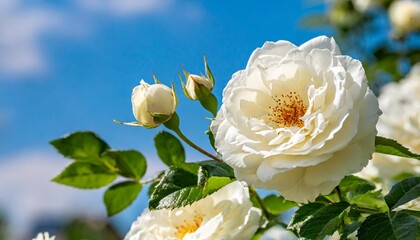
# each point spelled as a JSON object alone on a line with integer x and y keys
{"x": 71, "y": 66}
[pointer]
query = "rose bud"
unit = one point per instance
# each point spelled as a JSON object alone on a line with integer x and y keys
{"x": 153, "y": 104}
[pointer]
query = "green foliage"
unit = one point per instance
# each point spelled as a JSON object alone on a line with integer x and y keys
{"x": 179, "y": 188}
{"x": 96, "y": 165}
{"x": 214, "y": 168}
{"x": 120, "y": 196}
{"x": 169, "y": 149}
{"x": 403, "y": 192}
{"x": 392, "y": 147}
{"x": 81, "y": 146}
{"x": 352, "y": 186}
{"x": 85, "y": 175}
{"x": 129, "y": 163}
{"x": 371, "y": 199}
{"x": 174, "y": 179}
{"x": 389, "y": 225}
{"x": 318, "y": 221}
{"x": 277, "y": 204}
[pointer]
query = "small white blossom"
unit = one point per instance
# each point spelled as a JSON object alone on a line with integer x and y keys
{"x": 400, "y": 103}
{"x": 405, "y": 15}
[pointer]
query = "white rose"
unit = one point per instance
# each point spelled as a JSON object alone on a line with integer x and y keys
{"x": 297, "y": 119}
{"x": 153, "y": 104}
{"x": 400, "y": 103}
{"x": 225, "y": 214}
{"x": 44, "y": 236}
{"x": 364, "y": 5}
{"x": 405, "y": 15}
{"x": 278, "y": 232}
{"x": 197, "y": 87}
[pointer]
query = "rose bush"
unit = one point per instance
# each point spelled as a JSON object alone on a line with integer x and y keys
{"x": 225, "y": 214}
{"x": 297, "y": 119}
{"x": 153, "y": 104}
{"x": 400, "y": 121}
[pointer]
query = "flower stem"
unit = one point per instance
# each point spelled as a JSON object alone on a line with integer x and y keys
{"x": 173, "y": 124}
{"x": 254, "y": 193}
{"x": 189, "y": 142}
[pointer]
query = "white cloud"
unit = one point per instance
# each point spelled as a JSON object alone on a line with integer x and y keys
{"x": 126, "y": 7}
{"x": 21, "y": 31}
{"x": 23, "y": 27}
{"x": 28, "y": 193}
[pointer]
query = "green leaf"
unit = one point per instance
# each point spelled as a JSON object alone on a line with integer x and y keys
{"x": 80, "y": 146}
{"x": 352, "y": 186}
{"x": 277, "y": 204}
{"x": 390, "y": 226}
{"x": 303, "y": 214}
{"x": 179, "y": 188}
{"x": 130, "y": 163}
{"x": 191, "y": 167}
{"x": 216, "y": 168}
{"x": 174, "y": 179}
{"x": 120, "y": 196}
{"x": 372, "y": 200}
{"x": 391, "y": 147}
{"x": 323, "y": 222}
{"x": 403, "y": 192}
{"x": 411, "y": 212}
{"x": 349, "y": 229}
{"x": 189, "y": 195}
{"x": 169, "y": 149}
{"x": 85, "y": 175}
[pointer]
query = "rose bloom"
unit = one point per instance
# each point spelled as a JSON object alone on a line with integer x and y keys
{"x": 297, "y": 119}
{"x": 225, "y": 214}
{"x": 405, "y": 15}
{"x": 400, "y": 103}
{"x": 153, "y": 104}
{"x": 364, "y": 5}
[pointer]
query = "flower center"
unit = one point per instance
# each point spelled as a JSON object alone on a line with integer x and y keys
{"x": 188, "y": 227}
{"x": 288, "y": 110}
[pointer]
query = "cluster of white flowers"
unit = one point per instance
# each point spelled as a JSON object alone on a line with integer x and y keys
{"x": 400, "y": 121}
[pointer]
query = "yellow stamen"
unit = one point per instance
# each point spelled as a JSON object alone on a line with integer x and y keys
{"x": 288, "y": 110}
{"x": 189, "y": 227}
